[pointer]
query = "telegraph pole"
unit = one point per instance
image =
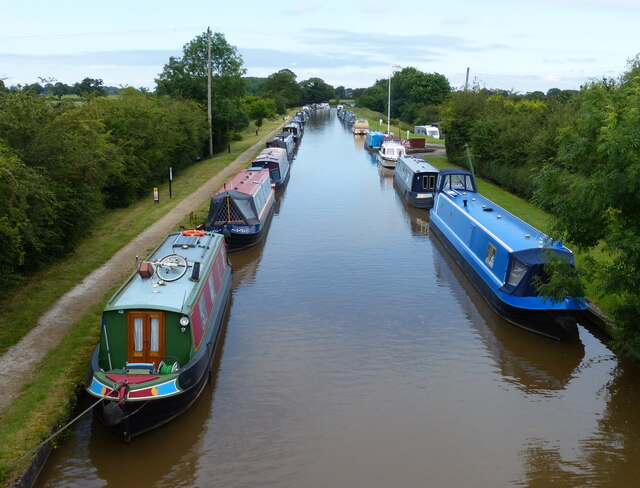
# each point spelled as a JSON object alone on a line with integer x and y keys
{"x": 209, "y": 91}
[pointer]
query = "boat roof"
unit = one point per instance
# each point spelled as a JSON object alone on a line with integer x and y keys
{"x": 247, "y": 181}
{"x": 418, "y": 165}
{"x": 271, "y": 154}
{"x": 514, "y": 233}
{"x": 179, "y": 295}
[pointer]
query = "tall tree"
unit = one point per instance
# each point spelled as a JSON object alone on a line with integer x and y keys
{"x": 315, "y": 90}
{"x": 186, "y": 77}
{"x": 283, "y": 88}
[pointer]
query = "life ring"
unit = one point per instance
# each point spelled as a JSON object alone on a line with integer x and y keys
{"x": 193, "y": 232}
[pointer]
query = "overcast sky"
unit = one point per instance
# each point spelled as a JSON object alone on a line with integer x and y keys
{"x": 518, "y": 45}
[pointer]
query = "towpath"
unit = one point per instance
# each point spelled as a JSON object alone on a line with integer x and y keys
{"x": 19, "y": 362}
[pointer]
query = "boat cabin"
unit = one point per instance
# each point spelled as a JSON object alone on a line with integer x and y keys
{"x": 416, "y": 180}
{"x": 276, "y": 161}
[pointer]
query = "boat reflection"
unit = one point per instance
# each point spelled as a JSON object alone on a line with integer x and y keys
{"x": 245, "y": 266}
{"x": 534, "y": 364}
{"x": 386, "y": 177}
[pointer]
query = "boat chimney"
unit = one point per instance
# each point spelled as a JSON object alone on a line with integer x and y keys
{"x": 464, "y": 202}
{"x": 195, "y": 273}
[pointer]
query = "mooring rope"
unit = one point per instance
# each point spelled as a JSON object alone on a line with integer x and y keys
{"x": 48, "y": 439}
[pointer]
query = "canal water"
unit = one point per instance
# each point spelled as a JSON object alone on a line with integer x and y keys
{"x": 356, "y": 354}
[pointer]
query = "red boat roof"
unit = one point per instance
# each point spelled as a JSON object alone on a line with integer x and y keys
{"x": 247, "y": 181}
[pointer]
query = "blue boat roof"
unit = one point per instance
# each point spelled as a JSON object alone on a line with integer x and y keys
{"x": 513, "y": 232}
{"x": 179, "y": 295}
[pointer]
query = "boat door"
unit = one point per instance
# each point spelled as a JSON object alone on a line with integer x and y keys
{"x": 145, "y": 332}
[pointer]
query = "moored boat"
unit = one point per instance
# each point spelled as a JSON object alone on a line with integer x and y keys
{"x": 285, "y": 141}
{"x": 415, "y": 180}
{"x": 502, "y": 255}
{"x": 373, "y": 141}
{"x": 242, "y": 209}
{"x": 159, "y": 333}
{"x": 390, "y": 150}
{"x": 295, "y": 129}
{"x": 276, "y": 161}
{"x": 360, "y": 127}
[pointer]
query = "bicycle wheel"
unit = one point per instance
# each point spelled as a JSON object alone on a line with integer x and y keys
{"x": 172, "y": 267}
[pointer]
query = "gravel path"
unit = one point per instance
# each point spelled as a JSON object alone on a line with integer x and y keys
{"x": 19, "y": 362}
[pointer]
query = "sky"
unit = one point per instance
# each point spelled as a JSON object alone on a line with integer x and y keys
{"x": 517, "y": 45}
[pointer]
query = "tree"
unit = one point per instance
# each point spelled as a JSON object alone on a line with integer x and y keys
{"x": 341, "y": 92}
{"x": 283, "y": 88}
{"x": 89, "y": 88}
{"x": 592, "y": 187}
{"x": 259, "y": 109}
{"x": 315, "y": 90}
{"x": 186, "y": 77}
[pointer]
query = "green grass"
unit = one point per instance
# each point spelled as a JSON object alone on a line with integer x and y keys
{"x": 374, "y": 117}
{"x": 43, "y": 403}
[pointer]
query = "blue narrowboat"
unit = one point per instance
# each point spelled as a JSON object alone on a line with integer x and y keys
{"x": 415, "y": 179}
{"x": 276, "y": 161}
{"x": 373, "y": 141}
{"x": 501, "y": 255}
{"x": 242, "y": 209}
{"x": 159, "y": 333}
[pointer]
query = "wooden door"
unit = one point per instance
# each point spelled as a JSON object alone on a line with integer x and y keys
{"x": 145, "y": 337}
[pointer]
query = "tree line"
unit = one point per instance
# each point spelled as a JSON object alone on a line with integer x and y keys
{"x": 575, "y": 154}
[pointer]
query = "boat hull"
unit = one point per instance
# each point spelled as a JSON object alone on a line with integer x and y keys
{"x": 411, "y": 197}
{"x": 557, "y": 324}
{"x": 131, "y": 418}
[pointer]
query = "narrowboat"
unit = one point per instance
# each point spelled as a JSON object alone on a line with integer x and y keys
{"x": 276, "y": 161}
{"x": 360, "y": 127}
{"x": 390, "y": 150}
{"x": 159, "y": 333}
{"x": 242, "y": 209}
{"x": 295, "y": 129}
{"x": 501, "y": 255}
{"x": 415, "y": 179}
{"x": 285, "y": 141}
{"x": 373, "y": 141}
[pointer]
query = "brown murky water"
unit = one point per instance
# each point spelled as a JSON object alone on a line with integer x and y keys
{"x": 357, "y": 355}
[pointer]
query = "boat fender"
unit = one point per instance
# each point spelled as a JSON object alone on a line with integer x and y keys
{"x": 487, "y": 209}
{"x": 112, "y": 413}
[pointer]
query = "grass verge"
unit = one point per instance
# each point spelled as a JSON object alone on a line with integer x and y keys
{"x": 47, "y": 400}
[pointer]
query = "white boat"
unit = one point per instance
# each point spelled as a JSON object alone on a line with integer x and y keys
{"x": 390, "y": 150}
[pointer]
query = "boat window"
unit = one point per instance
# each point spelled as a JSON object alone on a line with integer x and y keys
{"x": 212, "y": 287}
{"x": 203, "y": 312}
{"x": 516, "y": 273}
{"x": 137, "y": 334}
{"x": 155, "y": 334}
{"x": 428, "y": 182}
{"x": 491, "y": 255}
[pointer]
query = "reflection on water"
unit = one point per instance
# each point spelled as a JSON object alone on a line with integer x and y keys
{"x": 357, "y": 354}
{"x": 531, "y": 362}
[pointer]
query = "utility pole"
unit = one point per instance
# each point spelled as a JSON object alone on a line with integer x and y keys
{"x": 466, "y": 81}
{"x": 209, "y": 91}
